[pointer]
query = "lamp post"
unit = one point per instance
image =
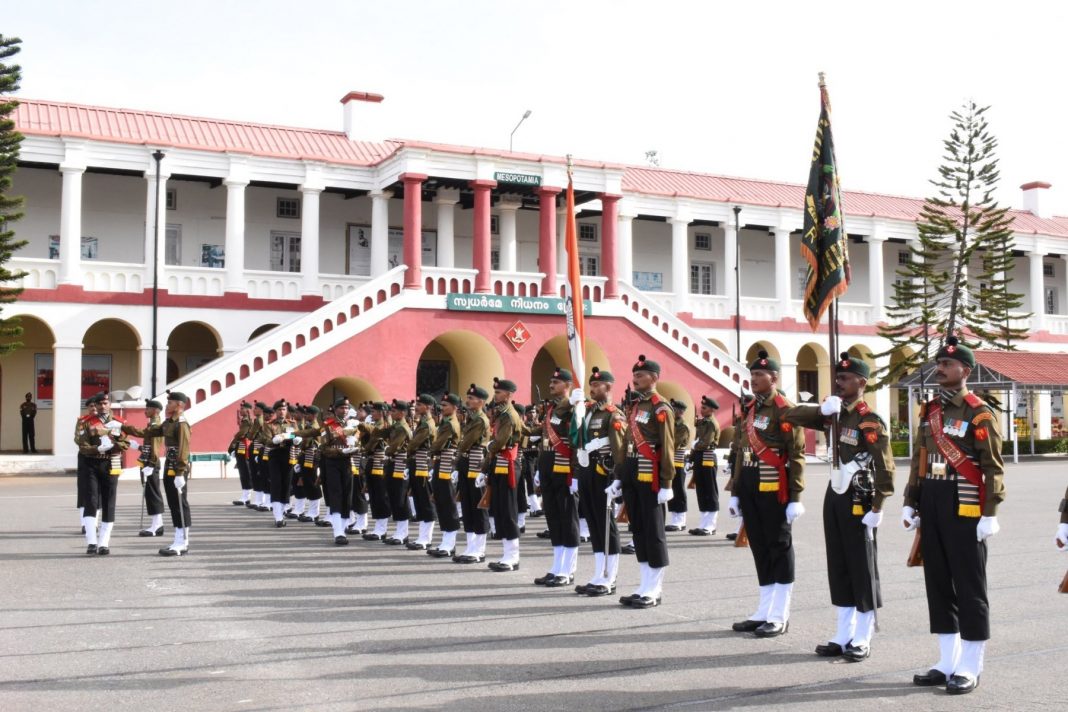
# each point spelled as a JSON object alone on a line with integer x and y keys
{"x": 526, "y": 115}
{"x": 737, "y": 286}
{"x": 158, "y": 157}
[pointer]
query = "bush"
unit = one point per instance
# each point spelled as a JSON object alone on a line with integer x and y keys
{"x": 900, "y": 448}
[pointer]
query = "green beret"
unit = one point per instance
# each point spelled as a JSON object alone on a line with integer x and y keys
{"x": 678, "y": 405}
{"x": 599, "y": 376}
{"x": 426, "y": 399}
{"x": 643, "y": 364}
{"x": 502, "y": 384}
{"x": 954, "y": 349}
{"x": 478, "y": 391}
{"x": 451, "y": 399}
{"x": 340, "y": 401}
{"x": 400, "y": 404}
{"x": 709, "y": 403}
{"x": 763, "y": 362}
{"x": 561, "y": 374}
{"x": 519, "y": 408}
{"x": 154, "y": 404}
{"x": 849, "y": 364}
{"x": 280, "y": 403}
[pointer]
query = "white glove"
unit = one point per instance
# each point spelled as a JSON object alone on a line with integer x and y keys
{"x": 480, "y": 481}
{"x": 277, "y": 439}
{"x": 407, "y": 473}
{"x": 615, "y": 489}
{"x": 576, "y": 397}
{"x": 134, "y": 444}
{"x": 179, "y": 483}
{"x": 230, "y": 457}
{"x": 1062, "y": 538}
{"x": 537, "y": 478}
{"x": 350, "y": 441}
{"x": 872, "y": 519}
{"x": 909, "y": 518}
{"x": 297, "y": 440}
{"x": 574, "y": 485}
{"x": 986, "y": 528}
{"x": 148, "y": 471}
{"x": 455, "y": 476}
{"x": 351, "y": 414}
{"x": 296, "y": 468}
{"x": 665, "y": 495}
{"x": 734, "y": 507}
{"x": 105, "y": 444}
{"x": 347, "y": 450}
{"x": 793, "y": 511}
{"x": 369, "y": 420}
{"x": 831, "y": 405}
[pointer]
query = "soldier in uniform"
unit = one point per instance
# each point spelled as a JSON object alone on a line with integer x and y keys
{"x": 358, "y": 507}
{"x": 377, "y": 439}
{"x": 397, "y": 473}
{"x": 678, "y": 505}
{"x": 955, "y": 487}
{"x": 258, "y": 467}
{"x": 524, "y": 485}
{"x": 703, "y": 457}
{"x": 446, "y": 477}
{"x": 1061, "y": 539}
{"x": 101, "y": 443}
{"x": 175, "y": 432}
{"x": 419, "y": 469}
{"x": 528, "y": 448}
{"x": 279, "y": 434}
{"x": 506, "y": 429}
{"x": 470, "y": 454}
{"x": 603, "y": 447}
{"x": 852, "y": 506}
{"x": 148, "y": 459}
{"x": 336, "y": 448}
{"x": 767, "y": 478}
{"x": 239, "y": 449}
{"x": 559, "y": 481}
{"x": 644, "y": 477}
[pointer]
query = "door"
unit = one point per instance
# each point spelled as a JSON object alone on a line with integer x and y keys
{"x": 285, "y": 251}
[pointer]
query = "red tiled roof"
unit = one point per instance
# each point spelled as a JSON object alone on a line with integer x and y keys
{"x": 1027, "y": 367}
{"x": 49, "y": 118}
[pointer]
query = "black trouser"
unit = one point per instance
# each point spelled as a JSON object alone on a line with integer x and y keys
{"x": 522, "y": 486}
{"x": 376, "y": 488}
{"x": 82, "y": 472}
{"x": 770, "y": 537}
{"x": 244, "y": 473}
{"x": 646, "y": 517}
{"x": 153, "y": 494}
{"x": 502, "y": 505}
{"x": 847, "y": 553}
{"x": 678, "y": 503}
{"x": 561, "y": 507}
{"x": 422, "y": 495}
{"x": 358, "y": 500}
{"x": 179, "y": 506}
{"x": 97, "y": 488}
{"x": 281, "y": 474}
{"x": 313, "y": 488}
{"x": 954, "y": 564}
{"x": 397, "y": 488}
{"x": 592, "y": 505}
{"x": 257, "y": 470}
{"x": 476, "y": 521}
{"x": 705, "y": 479}
{"x": 337, "y": 484}
{"x": 29, "y": 435}
{"x": 445, "y": 502}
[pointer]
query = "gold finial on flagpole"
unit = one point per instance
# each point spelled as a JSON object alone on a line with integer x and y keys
{"x": 569, "y": 164}
{"x": 822, "y": 77}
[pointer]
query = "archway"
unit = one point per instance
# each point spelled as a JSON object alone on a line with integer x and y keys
{"x": 554, "y": 353}
{"x": 866, "y": 355}
{"x": 813, "y": 373}
{"x": 191, "y": 345}
{"x": 261, "y": 330}
{"x": 669, "y": 390}
{"x": 453, "y": 361}
{"x": 751, "y": 354}
{"x": 356, "y": 389}
{"x": 27, "y": 369}
{"x": 718, "y": 344}
{"x": 899, "y": 397}
{"x": 110, "y": 358}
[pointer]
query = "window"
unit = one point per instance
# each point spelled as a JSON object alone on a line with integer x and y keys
{"x": 213, "y": 256}
{"x": 904, "y": 258}
{"x": 495, "y": 224}
{"x": 1047, "y": 269}
{"x": 702, "y": 241}
{"x": 588, "y": 265}
{"x": 587, "y": 232}
{"x": 802, "y": 281}
{"x": 288, "y": 208}
{"x": 701, "y": 278}
{"x": 172, "y": 199}
{"x": 173, "y": 250}
{"x": 1051, "y": 299}
{"x": 285, "y": 252}
{"x": 495, "y": 259}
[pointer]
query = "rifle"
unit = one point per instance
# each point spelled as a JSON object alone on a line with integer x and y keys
{"x": 1064, "y": 583}
{"x": 487, "y": 494}
{"x": 623, "y": 517}
{"x": 742, "y": 540}
{"x": 916, "y": 553}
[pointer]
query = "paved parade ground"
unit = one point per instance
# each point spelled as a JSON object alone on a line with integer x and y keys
{"x": 262, "y": 619}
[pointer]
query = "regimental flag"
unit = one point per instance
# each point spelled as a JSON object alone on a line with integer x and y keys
{"x": 576, "y": 329}
{"x": 824, "y": 241}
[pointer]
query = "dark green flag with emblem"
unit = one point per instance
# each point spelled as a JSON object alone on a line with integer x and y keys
{"x": 823, "y": 243}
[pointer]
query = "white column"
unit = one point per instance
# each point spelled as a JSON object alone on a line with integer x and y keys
{"x": 146, "y": 364}
{"x": 309, "y": 240}
{"x": 626, "y": 243}
{"x": 508, "y": 234}
{"x": 70, "y": 229}
{"x": 235, "y": 235}
{"x": 876, "y": 290}
{"x": 561, "y": 240}
{"x": 66, "y": 399}
{"x": 156, "y": 232}
{"x": 730, "y": 247}
{"x": 788, "y": 379}
{"x": 446, "y": 201}
{"x": 680, "y": 263}
{"x": 380, "y": 231}
{"x": 1038, "y": 293}
{"x": 781, "y": 235}
{"x": 1044, "y": 415}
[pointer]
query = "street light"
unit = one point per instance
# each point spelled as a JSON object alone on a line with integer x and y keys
{"x": 526, "y": 115}
{"x": 158, "y": 158}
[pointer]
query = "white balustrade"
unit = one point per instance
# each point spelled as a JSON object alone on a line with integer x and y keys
{"x": 40, "y": 273}
{"x": 711, "y": 306}
{"x": 448, "y": 280}
{"x": 112, "y": 276}
{"x": 266, "y": 284}
{"x": 1057, "y": 323}
{"x": 517, "y": 284}
{"x": 197, "y": 281}
{"x": 336, "y": 286}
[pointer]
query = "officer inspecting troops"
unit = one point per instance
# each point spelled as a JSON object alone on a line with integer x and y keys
{"x": 336, "y": 448}
{"x": 419, "y": 471}
{"x": 100, "y": 442}
{"x": 643, "y": 478}
{"x": 501, "y": 452}
{"x": 445, "y": 476}
{"x": 678, "y": 506}
{"x": 603, "y": 444}
{"x": 148, "y": 460}
{"x": 703, "y": 457}
{"x": 470, "y": 454}
{"x": 954, "y": 489}
{"x": 852, "y": 505}
{"x": 175, "y": 432}
{"x": 767, "y": 478}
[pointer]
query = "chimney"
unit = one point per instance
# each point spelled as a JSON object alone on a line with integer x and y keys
{"x": 1032, "y": 197}
{"x": 353, "y": 103}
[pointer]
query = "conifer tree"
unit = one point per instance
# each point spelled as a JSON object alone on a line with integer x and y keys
{"x": 10, "y": 206}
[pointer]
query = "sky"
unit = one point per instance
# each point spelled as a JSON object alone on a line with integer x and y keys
{"x": 728, "y": 88}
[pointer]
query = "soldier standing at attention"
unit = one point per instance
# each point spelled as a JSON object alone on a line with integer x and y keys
{"x": 377, "y": 488}
{"x": 28, "y": 411}
{"x": 279, "y": 434}
{"x": 507, "y": 428}
{"x": 644, "y": 479}
{"x": 1061, "y": 539}
{"x": 852, "y": 506}
{"x": 446, "y": 478}
{"x": 397, "y": 473}
{"x": 239, "y": 449}
{"x": 103, "y": 486}
{"x": 768, "y": 476}
{"x": 336, "y": 449}
{"x": 955, "y": 487}
{"x": 703, "y": 457}
{"x": 175, "y": 433}
{"x": 470, "y": 454}
{"x": 149, "y": 462}
{"x": 419, "y": 469}
{"x": 678, "y": 505}
{"x": 258, "y": 466}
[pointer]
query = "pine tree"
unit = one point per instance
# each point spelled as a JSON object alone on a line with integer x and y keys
{"x": 10, "y": 206}
{"x": 935, "y": 295}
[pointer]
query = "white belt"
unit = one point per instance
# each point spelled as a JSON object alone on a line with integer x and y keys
{"x": 843, "y": 476}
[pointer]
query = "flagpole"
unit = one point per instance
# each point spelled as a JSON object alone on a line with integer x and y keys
{"x": 737, "y": 286}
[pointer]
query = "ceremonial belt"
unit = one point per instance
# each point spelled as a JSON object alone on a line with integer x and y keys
{"x": 644, "y": 449}
{"x": 508, "y": 454}
{"x": 768, "y": 456}
{"x": 446, "y": 463}
{"x": 421, "y": 458}
{"x": 960, "y": 462}
{"x": 680, "y": 457}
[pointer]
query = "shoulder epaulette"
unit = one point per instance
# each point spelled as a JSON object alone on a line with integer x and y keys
{"x": 181, "y": 419}
{"x": 610, "y": 408}
{"x": 780, "y": 401}
{"x": 655, "y": 398}
{"x": 973, "y": 400}
{"x": 86, "y": 418}
{"x": 862, "y": 408}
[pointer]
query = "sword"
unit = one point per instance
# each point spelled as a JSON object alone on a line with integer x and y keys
{"x": 607, "y": 527}
{"x": 869, "y": 549}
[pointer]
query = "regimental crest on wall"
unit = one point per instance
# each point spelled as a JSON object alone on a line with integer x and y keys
{"x": 517, "y": 335}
